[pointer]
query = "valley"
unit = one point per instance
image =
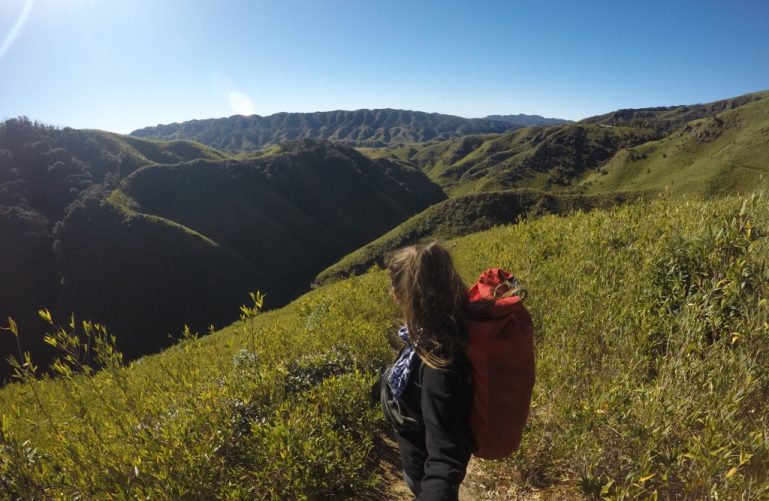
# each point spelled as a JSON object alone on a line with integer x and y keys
{"x": 639, "y": 234}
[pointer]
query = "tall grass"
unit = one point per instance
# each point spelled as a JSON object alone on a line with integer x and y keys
{"x": 652, "y": 337}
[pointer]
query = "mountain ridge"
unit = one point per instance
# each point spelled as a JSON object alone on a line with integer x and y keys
{"x": 364, "y": 127}
{"x": 527, "y": 120}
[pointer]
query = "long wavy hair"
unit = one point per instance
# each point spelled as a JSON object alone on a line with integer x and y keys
{"x": 433, "y": 299}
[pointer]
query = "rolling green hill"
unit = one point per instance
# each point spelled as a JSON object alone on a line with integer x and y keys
{"x": 727, "y": 152}
{"x": 148, "y": 236}
{"x": 524, "y": 120}
{"x": 543, "y": 158}
{"x": 707, "y": 148}
{"x": 460, "y": 216}
{"x": 185, "y": 243}
{"x": 354, "y": 128}
{"x": 651, "y": 329}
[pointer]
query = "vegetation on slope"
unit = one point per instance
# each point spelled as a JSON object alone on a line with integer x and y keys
{"x": 723, "y": 153}
{"x": 544, "y": 158}
{"x": 110, "y": 226}
{"x": 185, "y": 243}
{"x": 651, "y": 329}
{"x": 45, "y": 172}
{"x": 666, "y": 119}
{"x": 524, "y": 120}
{"x": 462, "y": 216}
{"x": 707, "y": 148}
{"x": 354, "y": 128}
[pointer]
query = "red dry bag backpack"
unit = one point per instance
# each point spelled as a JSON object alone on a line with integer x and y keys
{"x": 501, "y": 352}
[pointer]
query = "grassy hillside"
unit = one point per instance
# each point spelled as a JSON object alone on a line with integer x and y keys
{"x": 524, "y": 120}
{"x": 666, "y": 119}
{"x": 652, "y": 329}
{"x": 147, "y": 235}
{"x": 701, "y": 149}
{"x": 543, "y": 158}
{"x": 463, "y": 215}
{"x": 725, "y": 153}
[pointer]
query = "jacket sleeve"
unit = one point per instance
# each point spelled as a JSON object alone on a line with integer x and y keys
{"x": 445, "y": 410}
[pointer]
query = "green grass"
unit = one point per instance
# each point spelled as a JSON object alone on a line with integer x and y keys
{"x": 652, "y": 335}
{"x": 726, "y": 153}
{"x": 463, "y": 215}
{"x": 716, "y": 148}
{"x": 143, "y": 151}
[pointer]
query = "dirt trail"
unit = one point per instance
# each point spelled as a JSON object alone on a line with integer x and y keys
{"x": 476, "y": 486}
{"x": 394, "y": 487}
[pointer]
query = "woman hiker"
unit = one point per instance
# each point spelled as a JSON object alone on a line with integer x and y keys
{"x": 428, "y": 387}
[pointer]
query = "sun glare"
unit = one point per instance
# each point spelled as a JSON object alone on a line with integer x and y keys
{"x": 241, "y": 103}
{"x": 16, "y": 28}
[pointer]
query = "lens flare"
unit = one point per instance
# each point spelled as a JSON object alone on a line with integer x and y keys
{"x": 16, "y": 28}
{"x": 241, "y": 103}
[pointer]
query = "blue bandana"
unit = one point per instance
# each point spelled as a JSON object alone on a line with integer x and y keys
{"x": 399, "y": 374}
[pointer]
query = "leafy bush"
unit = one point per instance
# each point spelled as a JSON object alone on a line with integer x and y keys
{"x": 652, "y": 331}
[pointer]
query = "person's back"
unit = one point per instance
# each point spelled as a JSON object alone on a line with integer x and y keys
{"x": 431, "y": 377}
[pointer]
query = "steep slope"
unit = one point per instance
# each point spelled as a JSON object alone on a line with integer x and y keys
{"x": 666, "y": 119}
{"x": 146, "y": 236}
{"x": 464, "y": 215}
{"x": 544, "y": 158}
{"x": 356, "y": 128}
{"x": 145, "y": 276}
{"x": 710, "y": 148}
{"x": 44, "y": 172}
{"x": 724, "y": 153}
{"x": 652, "y": 330}
{"x": 185, "y": 243}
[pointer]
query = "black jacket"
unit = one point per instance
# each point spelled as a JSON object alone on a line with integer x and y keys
{"x": 435, "y": 453}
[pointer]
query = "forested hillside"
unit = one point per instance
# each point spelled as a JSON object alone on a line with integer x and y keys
{"x": 464, "y": 215}
{"x": 149, "y": 236}
{"x": 524, "y": 120}
{"x": 44, "y": 173}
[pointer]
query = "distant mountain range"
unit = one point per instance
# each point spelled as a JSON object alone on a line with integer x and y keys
{"x": 374, "y": 128}
{"x": 522, "y": 120}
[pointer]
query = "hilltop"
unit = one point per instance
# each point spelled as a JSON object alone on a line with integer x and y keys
{"x": 44, "y": 173}
{"x": 464, "y": 215}
{"x": 524, "y": 120}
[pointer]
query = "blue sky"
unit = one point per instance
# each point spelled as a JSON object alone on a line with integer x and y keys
{"x": 123, "y": 64}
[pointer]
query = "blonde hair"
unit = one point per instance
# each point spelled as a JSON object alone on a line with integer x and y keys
{"x": 433, "y": 299}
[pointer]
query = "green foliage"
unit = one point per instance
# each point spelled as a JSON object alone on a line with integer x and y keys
{"x": 225, "y": 416}
{"x": 460, "y": 216}
{"x": 184, "y": 241}
{"x": 652, "y": 331}
{"x": 704, "y": 149}
{"x": 720, "y": 153}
